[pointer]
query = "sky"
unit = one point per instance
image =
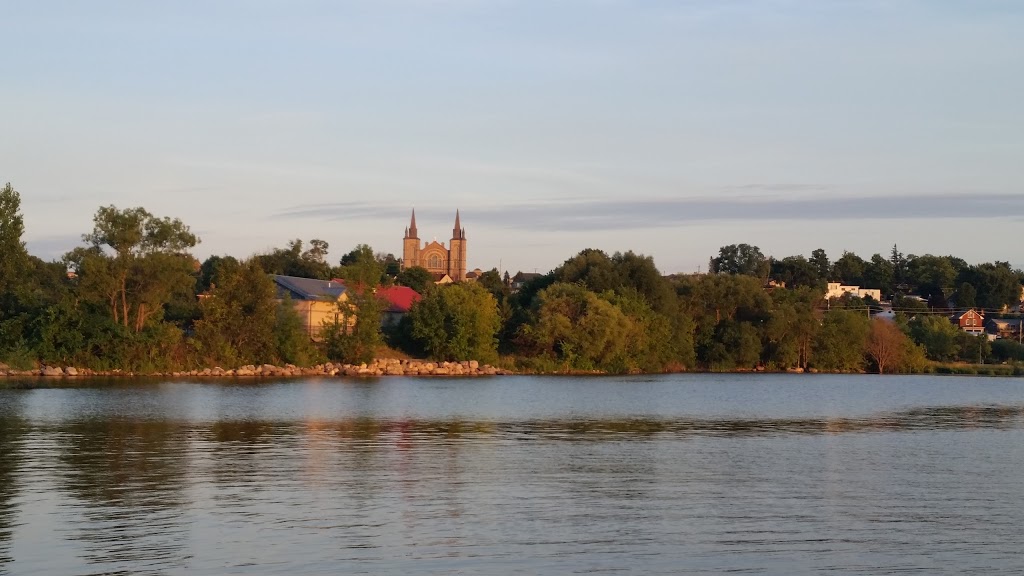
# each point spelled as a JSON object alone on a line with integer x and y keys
{"x": 669, "y": 128}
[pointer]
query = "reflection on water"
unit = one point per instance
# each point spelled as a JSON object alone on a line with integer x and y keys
{"x": 357, "y": 479}
{"x": 10, "y": 459}
{"x": 124, "y": 482}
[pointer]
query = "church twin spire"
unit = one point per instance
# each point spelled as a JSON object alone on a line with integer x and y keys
{"x": 458, "y": 233}
{"x": 411, "y": 232}
{"x": 439, "y": 260}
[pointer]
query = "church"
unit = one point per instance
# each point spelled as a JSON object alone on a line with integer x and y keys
{"x": 434, "y": 256}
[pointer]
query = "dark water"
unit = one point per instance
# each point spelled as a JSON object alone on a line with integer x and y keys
{"x": 518, "y": 475}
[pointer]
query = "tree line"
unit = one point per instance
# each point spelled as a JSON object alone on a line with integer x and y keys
{"x": 132, "y": 297}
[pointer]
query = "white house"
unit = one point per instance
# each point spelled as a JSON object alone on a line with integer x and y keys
{"x": 838, "y": 290}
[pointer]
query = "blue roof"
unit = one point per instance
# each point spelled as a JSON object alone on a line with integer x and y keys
{"x": 307, "y": 288}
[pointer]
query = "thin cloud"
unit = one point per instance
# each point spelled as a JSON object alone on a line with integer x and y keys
{"x": 597, "y": 215}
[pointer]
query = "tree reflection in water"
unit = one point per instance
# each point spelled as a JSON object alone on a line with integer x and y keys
{"x": 126, "y": 479}
{"x": 139, "y": 495}
{"x": 12, "y": 430}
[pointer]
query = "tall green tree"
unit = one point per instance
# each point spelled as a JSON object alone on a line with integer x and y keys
{"x": 795, "y": 271}
{"x": 457, "y": 322}
{"x": 14, "y": 261}
{"x": 577, "y": 328}
{"x": 997, "y": 285}
{"x": 135, "y": 262}
{"x": 899, "y": 267}
{"x": 849, "y": 269}
{"x": 740, "y": 259}
{"x": 879, "y": 273}
{"x": 841, "y": 341}
{"x": 13, "y": 256}
{"x": 737, "y": 344}
{"x": 819, "y": 259}
{"x": 355, "y": 335}
{"x": 416, "y": 277}
{"x": 973, "y": 347}
{"x": 938, "y": 335}
{"x": 361, "y": 267}
{"x": 294, "y": 345}
{"x": 933, "y": 276}
{"x": 292, "y": 260}
{"x": 966, "y": 296}
{"x": 238, "y": 318}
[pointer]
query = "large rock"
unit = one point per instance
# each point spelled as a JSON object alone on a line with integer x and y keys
{"x": 51, "y": 371}
{"x": 71, "y": 371}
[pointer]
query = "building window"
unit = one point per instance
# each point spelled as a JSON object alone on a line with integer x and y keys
{"x": 435, "y": 261}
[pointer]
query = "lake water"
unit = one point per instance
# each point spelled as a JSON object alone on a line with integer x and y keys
{"x": 764, "y": 474}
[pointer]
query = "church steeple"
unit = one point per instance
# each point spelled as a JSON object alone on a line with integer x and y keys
{"x": 457, "y": 231}
{"x": 411, "y": 231}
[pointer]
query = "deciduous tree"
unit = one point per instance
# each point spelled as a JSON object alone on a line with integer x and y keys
{"x": 416, "y": 277}
{"x": 238, "y": 317}
{"x": 886, "y": 345}
{"x": 457, "y": 322}
{"x": 135, "y": 262}
{"x": 840, "y": 342}
{"x": 740, "y": 259}
{"x": 355, "y": 335}
{"x": 13, "y": 256}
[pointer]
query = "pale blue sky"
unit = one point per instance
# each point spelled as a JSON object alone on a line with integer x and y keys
{"x": 668, "y": 128}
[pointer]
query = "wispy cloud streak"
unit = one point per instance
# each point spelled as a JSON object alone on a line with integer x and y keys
{"x": 596, "y": 215}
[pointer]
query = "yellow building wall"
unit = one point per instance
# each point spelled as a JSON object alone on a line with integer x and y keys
{"x": 314, "y": 313}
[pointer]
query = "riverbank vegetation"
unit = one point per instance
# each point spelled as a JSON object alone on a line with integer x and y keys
{"x": 132, "y": 297}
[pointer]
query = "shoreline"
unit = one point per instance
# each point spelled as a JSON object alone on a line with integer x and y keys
{"x": 379, "y": 367}
{"x": 467, "y": 368}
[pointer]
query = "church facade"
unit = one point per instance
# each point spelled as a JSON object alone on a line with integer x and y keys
{"x": 434, "y": 256}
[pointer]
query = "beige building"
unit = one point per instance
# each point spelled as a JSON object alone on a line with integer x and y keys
{"x": 315, "y": 301}
{"x": 838, "y": 290}
{"x": 441, "y": 261}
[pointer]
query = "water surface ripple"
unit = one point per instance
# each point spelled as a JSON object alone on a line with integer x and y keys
{"x": 762, "y": 474}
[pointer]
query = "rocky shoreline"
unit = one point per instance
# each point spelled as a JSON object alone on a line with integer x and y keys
{"x": 379, "y": 367}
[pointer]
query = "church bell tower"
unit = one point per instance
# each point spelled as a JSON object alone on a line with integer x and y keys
{"x": 457, "y": 251}
{"x": 411, "y": 245}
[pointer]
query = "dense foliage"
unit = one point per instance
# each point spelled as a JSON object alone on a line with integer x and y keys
{"x": 133, "y": 297}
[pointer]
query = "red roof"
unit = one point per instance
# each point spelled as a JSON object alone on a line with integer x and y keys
{"x": 399, "y": 298}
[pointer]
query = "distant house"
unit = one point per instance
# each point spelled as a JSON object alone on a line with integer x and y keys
{"x": 314, "y": 300}
{"x": 1009, "y": 328}
{"x": 442, "y": 278}
{"x": 838, "y": 290}
{"x": 474, "y": 274}
{"x": 399, "y": 300}
{"x": 970, "y": 321}
{"x": 521, "y": 278}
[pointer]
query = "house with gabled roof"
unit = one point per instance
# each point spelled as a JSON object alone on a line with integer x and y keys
{"x": 521, "y": 278}
{"x": 1008, "y": 328}
{"x": 970, "y": 321}
{"x": 399, "y": 301}
{"x": 315, "y": 301}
